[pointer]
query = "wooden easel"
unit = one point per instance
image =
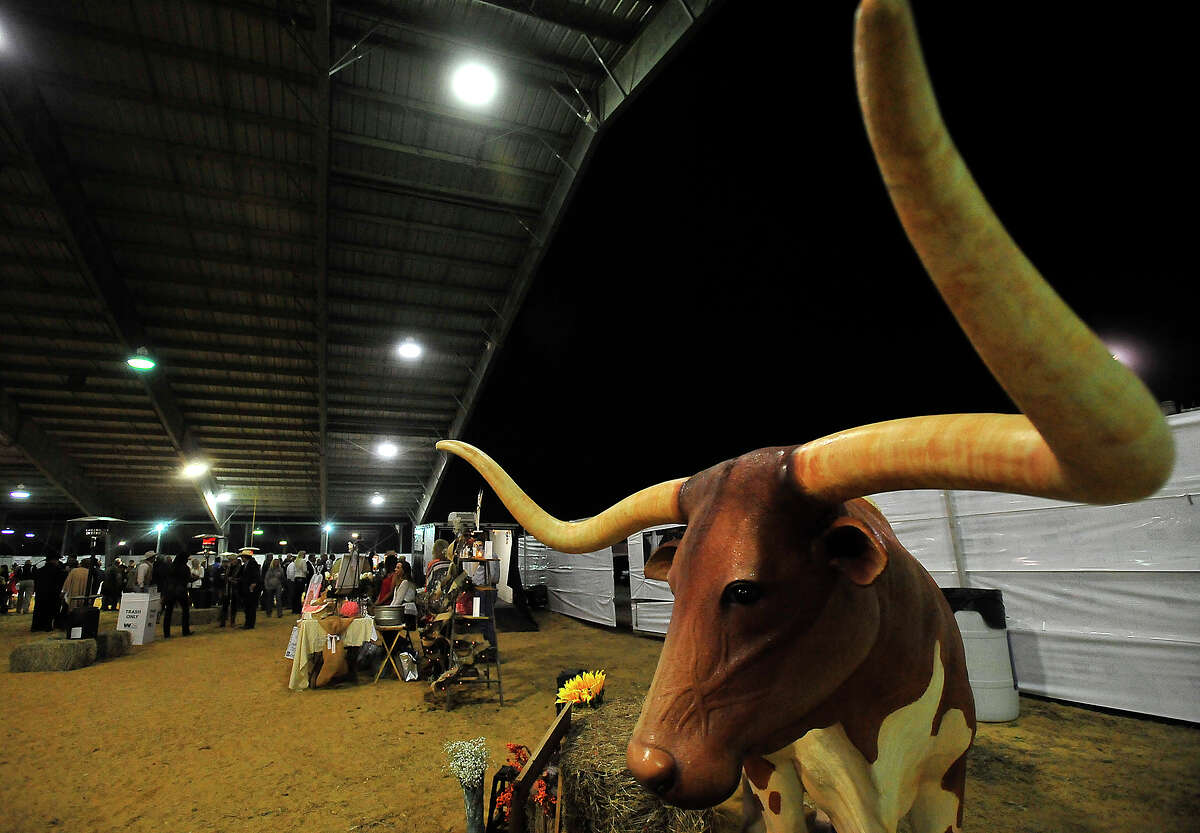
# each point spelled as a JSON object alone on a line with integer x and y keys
{"x": 532, "y": 770}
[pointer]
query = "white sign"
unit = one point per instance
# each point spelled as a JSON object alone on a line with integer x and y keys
{"x": 290, "y": 653}
{"x": 138, "y": 615}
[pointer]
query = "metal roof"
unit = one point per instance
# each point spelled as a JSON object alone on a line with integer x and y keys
{"x": 269, "y": 197}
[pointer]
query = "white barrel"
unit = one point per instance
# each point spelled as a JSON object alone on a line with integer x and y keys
{"x": 989, "y": 668}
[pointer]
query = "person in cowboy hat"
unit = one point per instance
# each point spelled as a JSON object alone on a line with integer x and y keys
{"x": 250, "y": 585}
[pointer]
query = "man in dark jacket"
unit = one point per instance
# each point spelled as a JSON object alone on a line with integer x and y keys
{"x": 250, "y": 585}
{"x": 159, "y": 573}
{"x": 47, "y": 585}
{"x": 230, "y": 599}
{"x": 114, "y": 583}
{"x": 178, "y": 577}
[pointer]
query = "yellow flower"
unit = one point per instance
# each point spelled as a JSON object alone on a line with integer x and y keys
{"x": 582, "y": 688}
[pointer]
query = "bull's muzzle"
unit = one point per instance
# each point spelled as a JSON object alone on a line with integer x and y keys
{"x": 654, "y": 768}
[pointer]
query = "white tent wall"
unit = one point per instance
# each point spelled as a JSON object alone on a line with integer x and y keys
{"x": 651, "y": 599}
{"x": 578, "y": 585}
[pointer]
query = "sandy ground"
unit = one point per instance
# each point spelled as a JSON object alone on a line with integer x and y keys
{"x": 202, "y": 734}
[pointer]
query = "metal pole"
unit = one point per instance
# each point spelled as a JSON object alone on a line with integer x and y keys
{"x": 955, "y": 544}
{"x": 158, "y": 542}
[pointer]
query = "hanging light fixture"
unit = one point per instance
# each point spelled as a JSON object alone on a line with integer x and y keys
{"x": 409, "y": 349}
{"x": 387, "y": 450}
{"x": 8, "y": 531}
{"x": 376, "y": 499}
{"x": 19, "y": 493}
{"x": 30, "y": 534}
{"x": 194, "y": 469}
{"x": 474, "y": 84}
{"x": 141, "y": 361}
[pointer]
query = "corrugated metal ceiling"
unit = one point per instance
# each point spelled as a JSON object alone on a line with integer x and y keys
{"x": 270, "y": 196}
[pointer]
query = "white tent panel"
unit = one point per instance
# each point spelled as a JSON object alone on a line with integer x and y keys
{"x": 581, "y": 585}
{"x": 1153, "y": 676}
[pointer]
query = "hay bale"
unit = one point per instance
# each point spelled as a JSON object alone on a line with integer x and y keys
{"x": 600, "y": 794}
{"x": 201, "y": 616}
{"x": 112, "y": 644}
{"x": 52, "y": 655}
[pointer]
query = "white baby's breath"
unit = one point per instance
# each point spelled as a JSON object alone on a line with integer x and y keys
{"x": 467, "y": 760}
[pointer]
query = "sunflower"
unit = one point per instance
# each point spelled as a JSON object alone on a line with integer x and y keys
{"x": 583, "y": 688}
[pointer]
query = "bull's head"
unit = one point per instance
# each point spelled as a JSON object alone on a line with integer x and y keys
{"x": 776, "y": 569}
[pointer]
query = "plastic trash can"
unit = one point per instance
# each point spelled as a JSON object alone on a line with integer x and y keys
{"x": 980, "y": 617}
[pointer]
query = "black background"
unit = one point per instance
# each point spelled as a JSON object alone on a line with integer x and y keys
{"x": 730, "y": 274}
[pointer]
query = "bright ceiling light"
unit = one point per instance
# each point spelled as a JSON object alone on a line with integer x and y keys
{"x": 223, "y": 497}
{"x": 283, "y": 543}
{"x": 257, "y": 532}
{"x": 194, "y": 469}
{"x": 7, "y": 531}
{"x": 353, "y": 534}
{"x": 328, "y": 528}
{"x": 474, "y": 84}
{"x": 387, "y": 449}
{"x": 376, "y": 499}
{"x": 159, "y": 527}
{"x": 409, "y": 349}
{"x": 121, "y": 543}
{"x": 19, "y": 493}
{"x": 30, "y": 535}
{"x": 141, "y": 361}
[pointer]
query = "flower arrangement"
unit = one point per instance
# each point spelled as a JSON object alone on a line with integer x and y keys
{"x": 586, "y": 689}
{"x": 467, "y": 760}
{"x": 542, "y": 794}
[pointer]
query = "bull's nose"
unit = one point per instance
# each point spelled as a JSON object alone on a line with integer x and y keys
{"x": 651, "y": 766}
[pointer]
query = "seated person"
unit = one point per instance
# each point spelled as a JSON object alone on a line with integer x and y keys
{"x": 388, "y": 585}
{"x": 405, "y": 593}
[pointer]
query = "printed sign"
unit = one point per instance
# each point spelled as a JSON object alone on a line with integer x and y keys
{"x": 290, "y": 653}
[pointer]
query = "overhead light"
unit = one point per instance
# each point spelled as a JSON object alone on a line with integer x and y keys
{"x": 257, "y": 532}
{"x": 283, "y": 543}
{"x": 223, "y": 497}
{"x": 353, "y": 534}
{"x": 121, "y": 543}
{"x": 19, "y": 493}
{"x": 30, "y": 535}
{"x": 159, "y": 527}
{"x": 387, "y": 449}
{"x": 376, "y": 499}
{"x": 474, "y": 84}
{"x": 7, "y": 531}
{"x": 194, "y": 469}
{"x": 141, "y": 361}
{"x": 409, "y": 349}
{"x": 328, "y": 528}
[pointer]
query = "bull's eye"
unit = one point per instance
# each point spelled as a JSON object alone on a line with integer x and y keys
{"x": 741, "y": 593}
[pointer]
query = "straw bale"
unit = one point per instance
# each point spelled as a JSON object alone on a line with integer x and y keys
{"x": 112, "y": 644}
{"x": 600, "y": 794}
{"x": 52, "y": 655}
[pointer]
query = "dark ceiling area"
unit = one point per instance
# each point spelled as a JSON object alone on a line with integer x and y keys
{"x": 270, "y": 198}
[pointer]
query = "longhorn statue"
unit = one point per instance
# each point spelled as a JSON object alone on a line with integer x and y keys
{"x": 807, "y": 646}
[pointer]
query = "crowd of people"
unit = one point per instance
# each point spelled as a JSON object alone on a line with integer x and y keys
{"x": 234, "y": 583}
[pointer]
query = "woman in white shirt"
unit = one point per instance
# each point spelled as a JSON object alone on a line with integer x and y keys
{"x": 406, "y": 594}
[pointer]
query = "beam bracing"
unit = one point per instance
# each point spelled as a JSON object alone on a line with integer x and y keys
{"x": 321, "y": 147}
{"x": 55, "y": 465}
{"x": 35, "y": 129}
{"x": 662, "y": 35}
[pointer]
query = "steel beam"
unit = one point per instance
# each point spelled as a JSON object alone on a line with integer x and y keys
{"x": 35, "y": 129}
{"x": 655, "y": 44}
{"x": 44, "y": 452}
{"x": 322, "y": 141}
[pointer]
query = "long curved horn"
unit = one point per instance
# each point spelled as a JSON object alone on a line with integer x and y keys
{"x": 1092, "y": 432}
{"x": 654, "y": 505}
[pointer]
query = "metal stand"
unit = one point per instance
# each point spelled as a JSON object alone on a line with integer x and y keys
{"x": 481, "y": 655}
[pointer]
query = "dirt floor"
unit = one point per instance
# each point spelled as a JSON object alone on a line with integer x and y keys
{"x": 202, "y": 734}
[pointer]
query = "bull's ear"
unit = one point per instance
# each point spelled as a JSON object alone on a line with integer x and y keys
{"x": 851, "y": 546}
{"x": 659, "y": 562}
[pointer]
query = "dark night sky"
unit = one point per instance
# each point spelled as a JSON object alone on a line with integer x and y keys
{"x": 730, "y": 274}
